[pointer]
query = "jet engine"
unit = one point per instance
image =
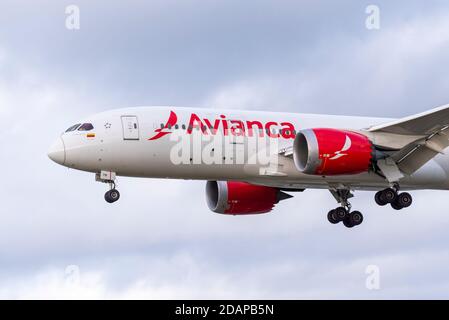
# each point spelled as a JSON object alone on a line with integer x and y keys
{"x": 332, "y": 152}
{"x": 240, "y": 198}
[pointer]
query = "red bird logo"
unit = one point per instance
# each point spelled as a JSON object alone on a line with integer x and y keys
{"x": 172, "y": 120}
{"x": 346, "y": 147}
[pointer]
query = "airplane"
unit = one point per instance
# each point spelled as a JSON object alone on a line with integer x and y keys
{"x": 252, "y": 160}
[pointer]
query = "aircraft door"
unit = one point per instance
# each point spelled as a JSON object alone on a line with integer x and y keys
{"x": 130, "y": 128}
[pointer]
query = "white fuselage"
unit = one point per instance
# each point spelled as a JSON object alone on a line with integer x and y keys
{"x": 145, "y": 142}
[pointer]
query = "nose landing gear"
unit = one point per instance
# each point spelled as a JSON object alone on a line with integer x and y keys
{"x": 109, "y": 177}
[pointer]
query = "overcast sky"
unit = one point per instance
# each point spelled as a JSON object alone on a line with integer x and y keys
{"x": 58, "y": 238}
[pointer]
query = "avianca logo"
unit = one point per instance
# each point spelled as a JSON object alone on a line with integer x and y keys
{"x": 271, "y": 129}
{"x": 171, "y": 122}
{"x": 346, "y": 147}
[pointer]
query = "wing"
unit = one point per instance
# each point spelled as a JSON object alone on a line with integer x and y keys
{"x": 425, "y": 123}
{"x": 412, "y": 141}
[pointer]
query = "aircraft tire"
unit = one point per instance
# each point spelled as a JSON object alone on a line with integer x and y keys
{"x": 378, "y": 198}
{"x": 388, "y": 195}
{"x": 396, "y": 206}
{"x": 356, "y": 218}
{"x": 112, "y": 196}
{"x": 404, "y": 200}
{"x": 332, "y": 217}
{"x": 341, "y": 213}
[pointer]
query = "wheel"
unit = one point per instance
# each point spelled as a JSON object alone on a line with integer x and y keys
{"x": 341, "y": 213}
{"x": 404, "y": 200}
{"x": 378, "y": 198}
{"x": 332, "y": 217}
{"x": 107, "y": 197}
{"x": 396, "y": 206}
{"x": 353, "y": 219}
{"x": 356, "y": 218}
{"x": 348, "y": 223}
{"x": 112, "y": 196}
{"x": 388, "y": 195}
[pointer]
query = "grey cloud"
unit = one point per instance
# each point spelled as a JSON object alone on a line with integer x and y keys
{"x": 160, "y": 240}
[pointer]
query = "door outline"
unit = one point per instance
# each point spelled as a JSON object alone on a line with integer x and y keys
{"x": 130, "y": 127}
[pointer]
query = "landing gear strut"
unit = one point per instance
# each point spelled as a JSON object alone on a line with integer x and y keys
{"x": 392, "y": 196}
{"x": 343, "y": 213}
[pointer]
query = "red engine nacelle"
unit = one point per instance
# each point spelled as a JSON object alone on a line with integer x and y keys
{"x": 332, "y": 152}
{"x": 239, "y": 198}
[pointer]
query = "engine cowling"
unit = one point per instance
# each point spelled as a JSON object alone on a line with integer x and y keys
{"x": 240, "y": 198}
{"x": 325, "y": 151}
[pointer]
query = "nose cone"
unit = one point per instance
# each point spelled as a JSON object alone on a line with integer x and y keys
{"x": 57, "y": 152}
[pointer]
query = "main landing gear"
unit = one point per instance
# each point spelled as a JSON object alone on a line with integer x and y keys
{"x": 343, "y": 213}
{"x": 397, "y": 200}
{"x": 349, "y": 219}
{"x": 392, "y": 196}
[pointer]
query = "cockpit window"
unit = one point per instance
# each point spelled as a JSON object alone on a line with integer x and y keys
{"x": 73, "y": 128}
{"x": 86, "y": 127}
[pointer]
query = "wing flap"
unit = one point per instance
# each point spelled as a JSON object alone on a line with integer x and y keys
{"x": 423, "y": 136}
{"x": 416, "y": 154}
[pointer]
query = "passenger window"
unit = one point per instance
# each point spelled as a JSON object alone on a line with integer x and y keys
{"x": 73, "y": 128}
{"x": 162, "y": 126}
{"x": 176, "y": 127}
{"x": 86, "y": 127}
{"x": 183, "y": 127}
